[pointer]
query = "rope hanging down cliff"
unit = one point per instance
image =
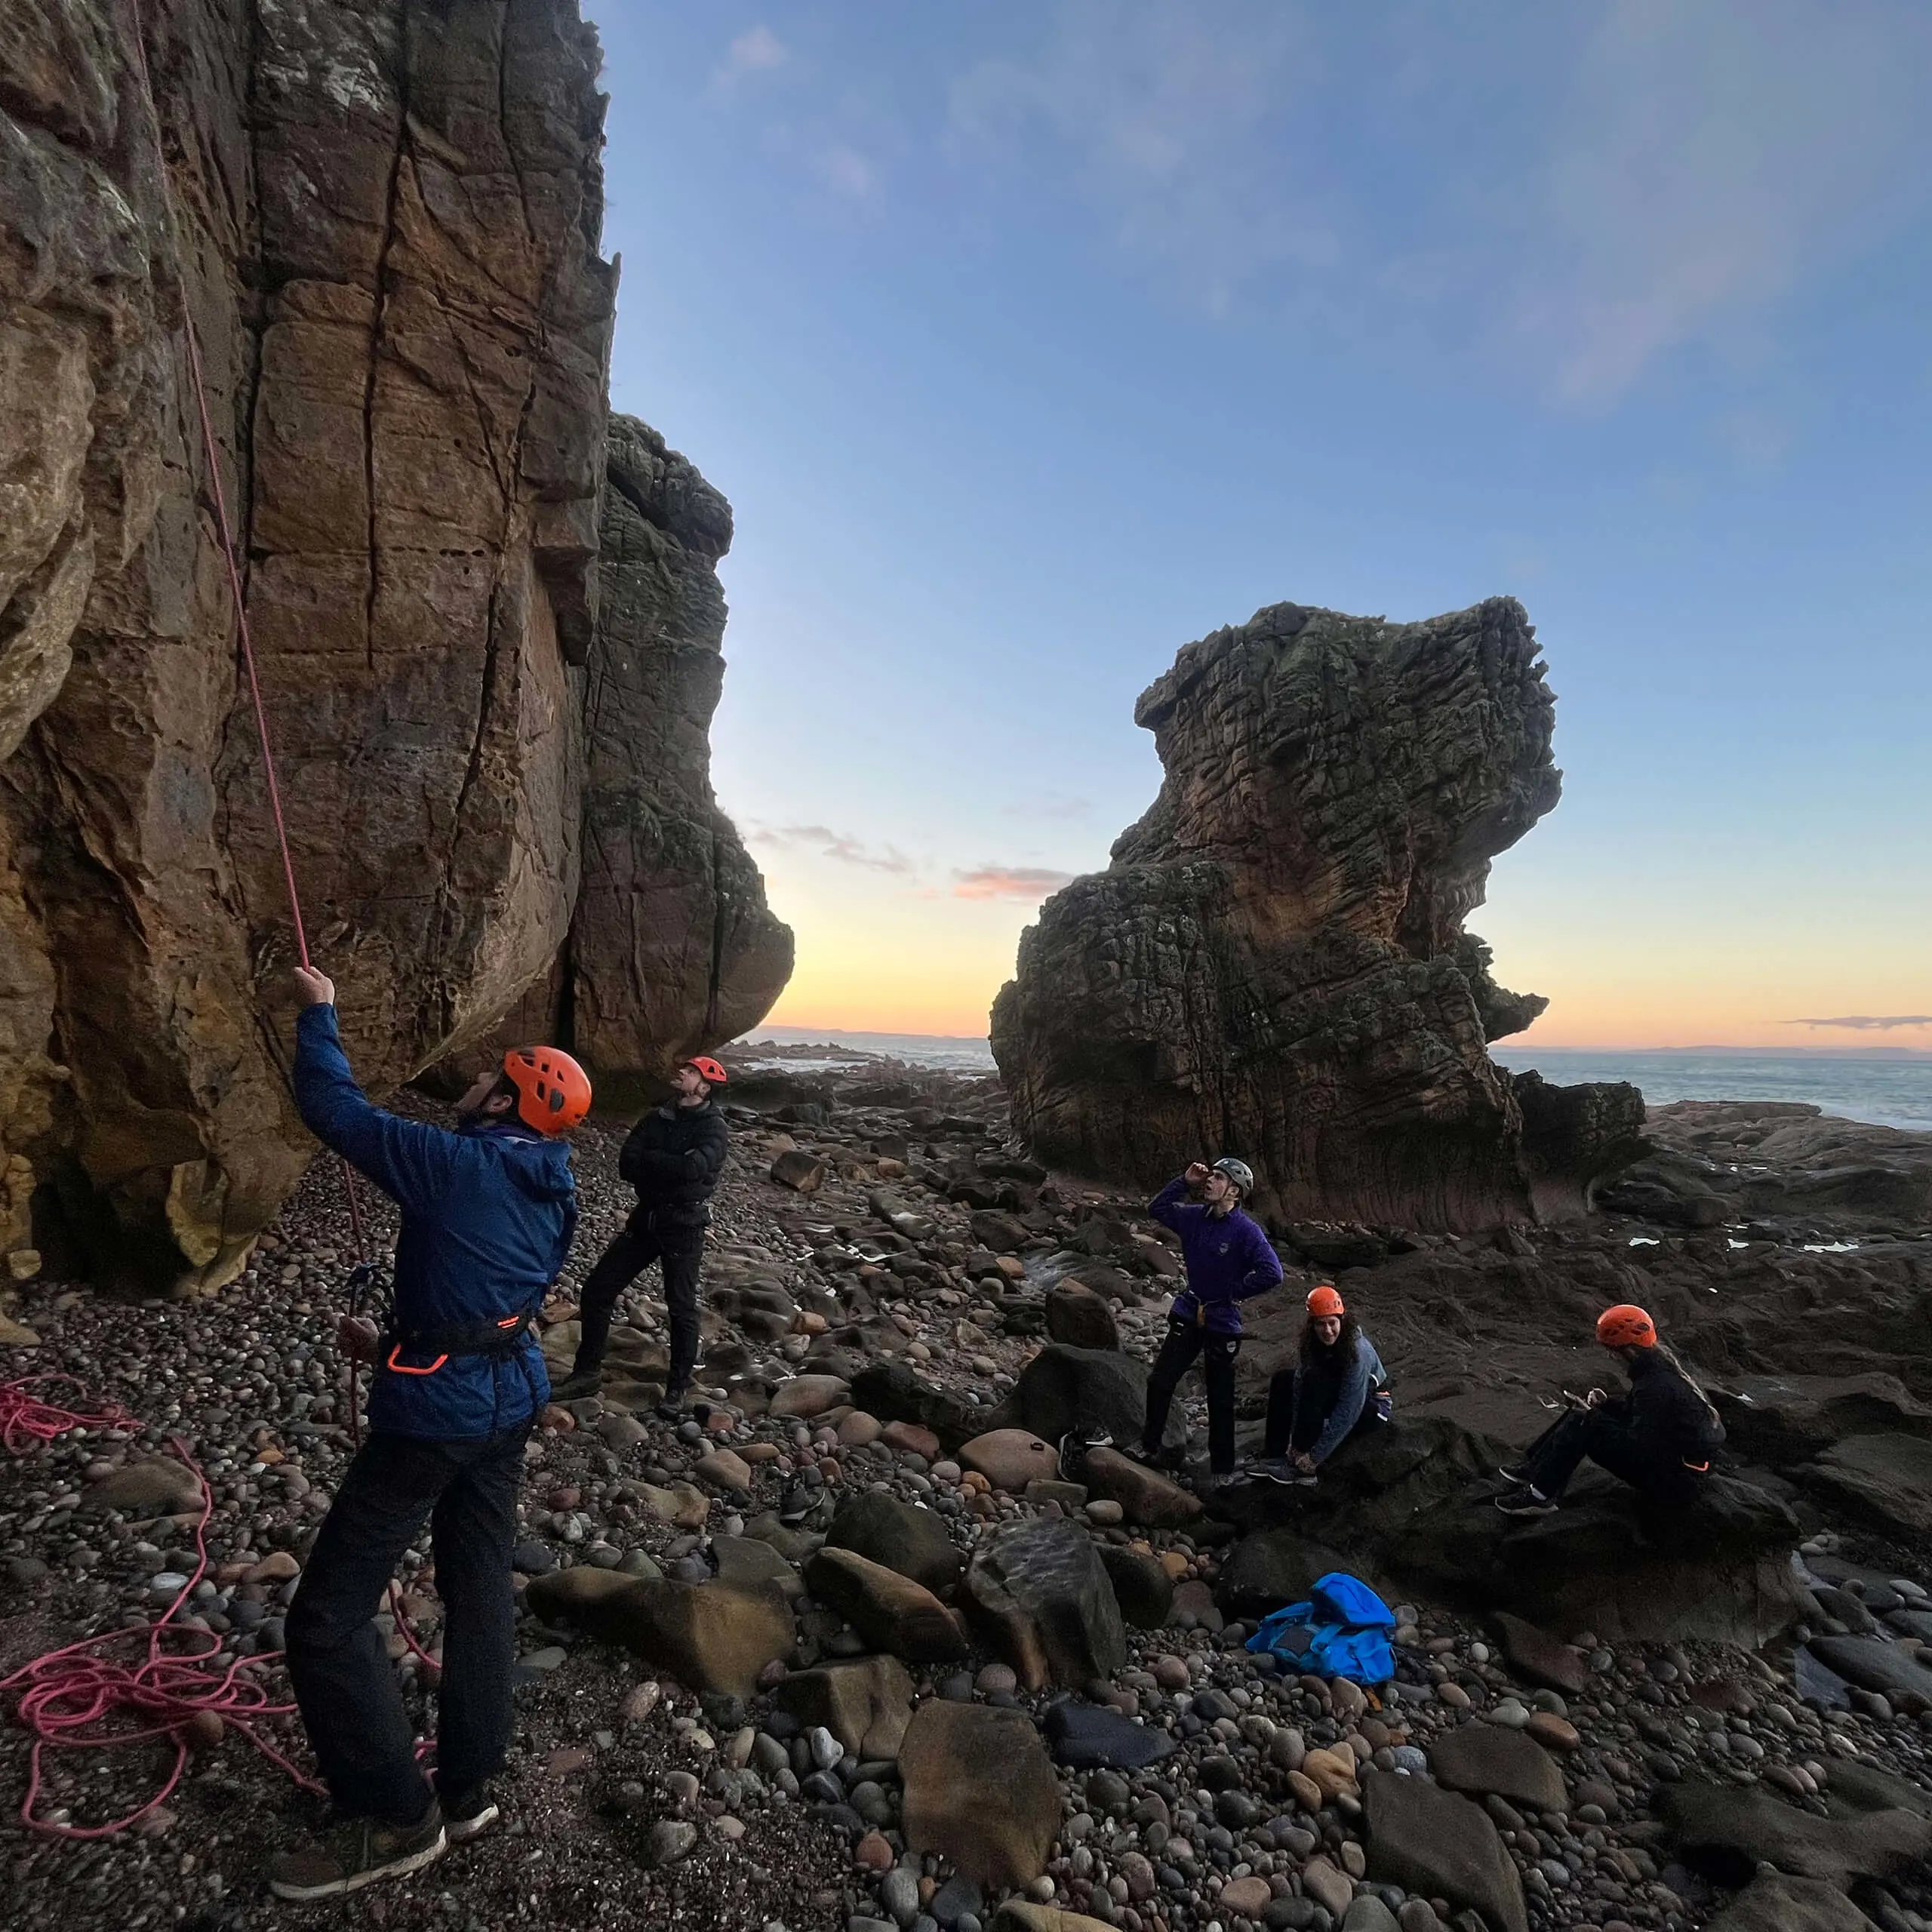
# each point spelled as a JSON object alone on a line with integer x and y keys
{"x": 72, "y": 1697}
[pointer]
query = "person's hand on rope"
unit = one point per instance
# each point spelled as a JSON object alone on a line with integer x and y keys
{"x": 355, "y": 1335}
{"x": 314, "y": 988}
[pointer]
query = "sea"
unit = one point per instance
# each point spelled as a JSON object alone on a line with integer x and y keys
{"x": 1890, "y": 1090}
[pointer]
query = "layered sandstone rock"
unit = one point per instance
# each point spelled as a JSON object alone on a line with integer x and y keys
{"x": 383, "y": 220}
{"x": 1274, "y": 963}
{"x": 672, "y": 948}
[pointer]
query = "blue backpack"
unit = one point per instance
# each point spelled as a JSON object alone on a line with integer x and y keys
{"x": 1341, "y": 1631}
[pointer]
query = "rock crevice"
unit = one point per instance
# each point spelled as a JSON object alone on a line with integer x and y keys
{"x": 382, "y": 221}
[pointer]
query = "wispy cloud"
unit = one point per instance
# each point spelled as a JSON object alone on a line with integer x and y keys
{"x": 756, "y": 50}
{"x": 825, "y": 843}
{"x": 1165, "y": 113}
{"x": 846, "y": 171}
{"x": 1029, "y": 883}
{"x": 1869, "y": 1022}
{"x": 1586, "y": 195}
{"x": 1707, "y": 157}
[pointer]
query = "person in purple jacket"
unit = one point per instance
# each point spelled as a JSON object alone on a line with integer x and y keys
{"x": 1228, "y": 1259}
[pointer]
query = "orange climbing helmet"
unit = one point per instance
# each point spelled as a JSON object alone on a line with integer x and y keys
{"x": 1324, "y": 1300}
{"x": 552, "y": 1091}
{"x": 708, "y": 1071}
{"x": 1626, "y": 1326}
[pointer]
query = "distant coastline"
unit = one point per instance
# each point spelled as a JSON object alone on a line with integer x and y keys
{"x": 1886, "y": 1086}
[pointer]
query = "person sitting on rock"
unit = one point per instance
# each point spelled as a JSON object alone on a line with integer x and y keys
{"x": 488, "y": 1214}
{"x": 1659, "y": 1438}
{"x": 1336, "y": 1388}
{"x": 1228, "y": 1259}
{"x": 672, "y": 1157}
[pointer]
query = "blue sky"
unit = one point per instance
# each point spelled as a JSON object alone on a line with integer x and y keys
{"x": 1030, "y": 341}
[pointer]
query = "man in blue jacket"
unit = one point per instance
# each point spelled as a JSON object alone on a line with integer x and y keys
{"x": 1229, "y": 1259}
{"x": 488, "y": 1213}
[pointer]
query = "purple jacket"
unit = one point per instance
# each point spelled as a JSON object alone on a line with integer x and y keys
{"x": 1228, "y": 1259}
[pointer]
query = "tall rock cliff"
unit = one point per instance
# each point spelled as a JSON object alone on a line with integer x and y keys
{"x": 1275, "y": 965}
{"x": 672, "y": 949}
{"x": 383, "y": 217}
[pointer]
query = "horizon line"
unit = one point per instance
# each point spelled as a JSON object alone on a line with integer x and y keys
{"x": 1850, "y": 1049}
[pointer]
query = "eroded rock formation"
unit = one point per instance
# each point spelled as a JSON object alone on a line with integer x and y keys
{"x": 672, "y": 948}
{"x": 383, "y": 219}
{"x": 1275, "y": 963}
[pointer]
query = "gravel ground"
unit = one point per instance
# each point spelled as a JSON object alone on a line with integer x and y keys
{"x": 696, "y": 1812}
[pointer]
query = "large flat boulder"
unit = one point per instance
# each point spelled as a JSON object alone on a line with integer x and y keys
{"x": 1439, "y": 1845}
{"x": 1775, "y": 1901}
{"x": 891, "y": 1612}
{"x": 1040, "y": 1586}
{"x": 1090, "y": 1391}
{"x": 891, "y": 1391}
{"x": 1145, "y": 1497}
{"x": 1270, "y": 1569}
{"x": 1728, "y": 1831}
{"x": 980, "y": 1790}
{"x": 866, "y": 1704}
{"x": 1488, "y": 1758}
{"x": 712, "y": 1637}
{"x": 1875, "y": 1663}
{"x": 1882, "y": 1480}
{"x": 1779, "y": 1419}
{"x": 1010, "y": 1459}
{"x": 915, "y": 1542}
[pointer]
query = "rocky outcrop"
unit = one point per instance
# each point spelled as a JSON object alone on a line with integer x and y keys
{"x": 1413, "y": 1503}
{"x": 1275, "y": 963}
{"x": 383, "y": 221}
{"x": 672, "y": 949}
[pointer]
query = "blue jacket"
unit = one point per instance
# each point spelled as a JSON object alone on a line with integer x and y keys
{"x": 1352, "y": 1390}
{"x": 1228, "y": 1256}
{"x": 487, "y": 1216}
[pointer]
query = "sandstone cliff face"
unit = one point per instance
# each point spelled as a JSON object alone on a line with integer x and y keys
{"x": 1274, "y": 963}
{"x": 384, "y": 220}
{"x": 671, "y": 950}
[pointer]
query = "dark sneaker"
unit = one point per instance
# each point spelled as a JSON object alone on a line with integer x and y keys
{"x": 355, "y": 1853}
{"x": 1526, "y": 1501}
{"x": 672, "y": 1409}
{"x": 468, "y": 1812}
{"x": 1279, "y": 1469}
{"x": 579, "y": 1383}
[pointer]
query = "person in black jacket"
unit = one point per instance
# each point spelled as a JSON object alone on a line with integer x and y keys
{"x": 672, "y": 1157}
{"x": 1659, "y": 1438}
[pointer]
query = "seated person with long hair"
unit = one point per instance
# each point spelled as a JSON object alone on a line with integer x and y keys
{"x": 1658, "y": 1438}
{"x": 1336, "y": 1388}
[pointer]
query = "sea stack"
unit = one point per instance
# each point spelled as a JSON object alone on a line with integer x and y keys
{"x": 1275, "y": 963}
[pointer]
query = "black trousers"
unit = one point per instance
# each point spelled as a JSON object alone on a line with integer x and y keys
{"x": 347, "y": 1691}
{"x": 680, "y": 1248}
{"x": 1186, "y": 1342}
{"x": 1607, "y": 1439}
{"x": 1286, "y": 1431}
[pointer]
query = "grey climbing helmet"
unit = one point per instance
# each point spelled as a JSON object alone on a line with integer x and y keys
{"x": 1239, "y": 1172}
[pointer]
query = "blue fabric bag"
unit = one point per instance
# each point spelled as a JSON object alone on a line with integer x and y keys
{"x": 1341, "y": 1631}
